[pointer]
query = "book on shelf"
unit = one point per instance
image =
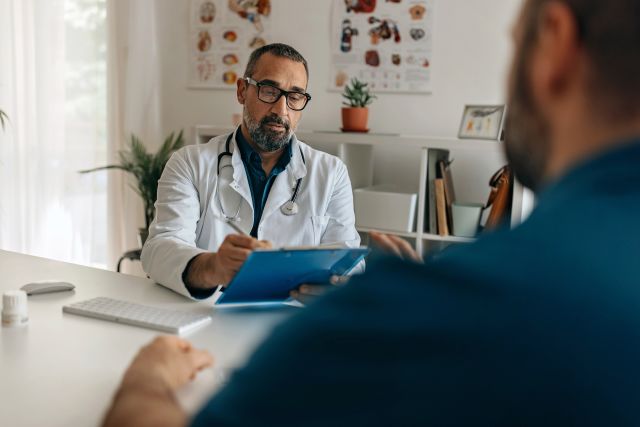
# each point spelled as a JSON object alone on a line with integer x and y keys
{"x": 441, "y": 207}
{"x": 434, "y": 155}
{"x": 444, "y": 169}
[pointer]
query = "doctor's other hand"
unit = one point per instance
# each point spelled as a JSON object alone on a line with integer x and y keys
{"x": 165, "y": 364}
{"x": 395, "y": 245}
{"x": 307, "y": 292}
{"x": 211, "y": 269}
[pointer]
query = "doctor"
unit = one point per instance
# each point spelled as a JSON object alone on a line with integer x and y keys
{"x": 260, "y": 180}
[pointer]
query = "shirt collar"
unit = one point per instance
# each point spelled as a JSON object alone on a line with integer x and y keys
{"x": 600, "y": 171}
{"x": 251, "y": 158}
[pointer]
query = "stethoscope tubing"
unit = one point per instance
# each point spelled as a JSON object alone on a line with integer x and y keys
{"x": 289, "y": 208}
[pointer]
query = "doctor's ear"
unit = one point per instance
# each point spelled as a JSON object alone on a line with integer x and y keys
{"x": 241, "y": 90}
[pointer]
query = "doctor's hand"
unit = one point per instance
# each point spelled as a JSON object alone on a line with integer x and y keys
{"x": 307, "y": 292}
{"x": 232, "y": 253}
{"x": 211, "y": 269}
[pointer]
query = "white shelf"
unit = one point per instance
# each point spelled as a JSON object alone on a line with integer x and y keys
{"x": 387, "y": 139}
{"x": 203, "y": 133}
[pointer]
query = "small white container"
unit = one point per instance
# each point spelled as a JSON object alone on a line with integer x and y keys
{"x": 14, "y": 308}
{"x": 466, "y": 218}
{"x": 385, "y": 207}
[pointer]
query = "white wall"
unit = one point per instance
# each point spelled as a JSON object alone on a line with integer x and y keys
{"x": 471, "y": 55}
{"x": 472, "y": 49}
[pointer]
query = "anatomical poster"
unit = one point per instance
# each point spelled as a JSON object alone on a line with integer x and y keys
{"x": 222, "y": 35}
{"x": 386, "y": 43}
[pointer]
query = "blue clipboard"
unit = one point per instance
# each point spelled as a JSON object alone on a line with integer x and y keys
{"x": 269, "y": 275}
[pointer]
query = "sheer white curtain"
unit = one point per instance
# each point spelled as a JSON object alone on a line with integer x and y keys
{"x": 53, "y": 87}
{"x": 134, "y": 104}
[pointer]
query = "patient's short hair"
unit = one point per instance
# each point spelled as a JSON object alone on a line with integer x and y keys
{"x": 610, "y": 32}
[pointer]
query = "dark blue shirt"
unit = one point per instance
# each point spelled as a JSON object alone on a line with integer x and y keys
{"x": 539, "y": 325}
{"x": 259, "y": 182}
{"x": 260, "y": 185}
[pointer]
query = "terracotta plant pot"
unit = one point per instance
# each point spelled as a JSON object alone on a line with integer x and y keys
{"x": 355, "y": 119}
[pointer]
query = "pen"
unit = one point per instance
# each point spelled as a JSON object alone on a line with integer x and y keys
{"x": 236, "y": 227}
{"x": 231, "y": 223}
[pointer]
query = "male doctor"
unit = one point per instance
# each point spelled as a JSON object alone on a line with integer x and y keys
{"x": 259, "y": 180}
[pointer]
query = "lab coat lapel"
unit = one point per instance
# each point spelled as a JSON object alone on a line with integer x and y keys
{"x": 240, "y": 181}
{"x": 285, "y": 182}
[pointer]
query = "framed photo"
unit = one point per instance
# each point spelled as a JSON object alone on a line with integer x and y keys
{"x": 482, "y": 122}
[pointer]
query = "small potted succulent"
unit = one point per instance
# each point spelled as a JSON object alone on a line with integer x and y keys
{"x": 356, "y": 114}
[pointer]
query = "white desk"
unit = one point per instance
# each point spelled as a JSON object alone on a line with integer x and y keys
{"x": 62, "y": 369}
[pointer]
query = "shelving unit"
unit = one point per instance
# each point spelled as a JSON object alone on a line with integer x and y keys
{"x": 357, "y": 151}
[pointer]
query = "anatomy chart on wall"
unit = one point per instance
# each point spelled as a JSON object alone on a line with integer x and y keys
{"x": 387, "y": 43}
{"x": 222, "y": 35}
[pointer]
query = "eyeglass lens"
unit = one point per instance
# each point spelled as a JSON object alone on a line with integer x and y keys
{"x": 270, "y": 94}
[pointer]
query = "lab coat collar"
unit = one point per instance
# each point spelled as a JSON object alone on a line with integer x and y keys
{"x": 296, "y": 167}
{"x": 240, "y": 181}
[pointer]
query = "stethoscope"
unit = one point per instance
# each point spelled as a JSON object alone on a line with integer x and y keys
{"x": 290, "y": 207}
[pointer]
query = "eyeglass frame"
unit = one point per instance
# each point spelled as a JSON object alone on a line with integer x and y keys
{"x": 286, "y": 93}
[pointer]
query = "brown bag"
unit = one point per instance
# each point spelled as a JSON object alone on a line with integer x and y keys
{"x": 500, "y": 198}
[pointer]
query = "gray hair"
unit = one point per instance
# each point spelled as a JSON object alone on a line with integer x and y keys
{"x": 276, "y": 49}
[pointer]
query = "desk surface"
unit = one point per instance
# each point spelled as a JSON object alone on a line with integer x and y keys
{"x": 62, "y": 370}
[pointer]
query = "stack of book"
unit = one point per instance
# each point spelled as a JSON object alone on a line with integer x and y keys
{"x": 441, "y": 196}
{"x": 440, "y": 193}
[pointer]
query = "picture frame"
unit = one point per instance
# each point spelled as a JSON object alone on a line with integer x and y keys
{"x": 482, "y": 122}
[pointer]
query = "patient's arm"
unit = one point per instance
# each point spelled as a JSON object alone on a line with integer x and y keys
{"x": 146, "y": 395}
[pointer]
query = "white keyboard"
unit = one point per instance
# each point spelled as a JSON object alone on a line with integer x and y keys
{"x": 172, "y": 321}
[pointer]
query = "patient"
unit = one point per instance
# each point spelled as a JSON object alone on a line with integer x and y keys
{"x": 533, "y": 326}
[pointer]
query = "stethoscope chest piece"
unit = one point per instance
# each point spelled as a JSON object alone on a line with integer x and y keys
{"x": 289, "y": 208}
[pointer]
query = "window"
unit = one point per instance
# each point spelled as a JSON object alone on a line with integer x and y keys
{"x": 53, "y": 79}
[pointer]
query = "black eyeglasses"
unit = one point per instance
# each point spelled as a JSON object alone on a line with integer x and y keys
{"x": 271, "y": 94}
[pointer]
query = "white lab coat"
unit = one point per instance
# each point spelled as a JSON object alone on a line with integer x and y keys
{"x": 188, "y": 218}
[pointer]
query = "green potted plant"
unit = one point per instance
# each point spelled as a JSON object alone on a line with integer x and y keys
{"x": 356, "y": 114}
{"x": 147, "y": 169}
{"x": 3, "y": 119}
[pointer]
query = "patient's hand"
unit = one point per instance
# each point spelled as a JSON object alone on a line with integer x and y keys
{"x": 168, "y": 362}
{"x": 146, "y": 394}
{"x": 395, "y": 245}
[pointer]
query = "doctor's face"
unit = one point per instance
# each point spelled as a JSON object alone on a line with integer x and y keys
{"x": 270, "y": 126}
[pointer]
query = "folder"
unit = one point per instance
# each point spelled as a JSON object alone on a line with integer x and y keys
{"x": 268, "y": 275}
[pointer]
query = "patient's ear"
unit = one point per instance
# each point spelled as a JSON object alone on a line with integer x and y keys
{"x": 556, "y": 62}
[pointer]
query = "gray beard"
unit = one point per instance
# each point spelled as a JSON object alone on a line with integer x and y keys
{"x": 266, "y": 139}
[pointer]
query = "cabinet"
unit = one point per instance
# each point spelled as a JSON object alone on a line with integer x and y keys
{"x": 402, "y": 160}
